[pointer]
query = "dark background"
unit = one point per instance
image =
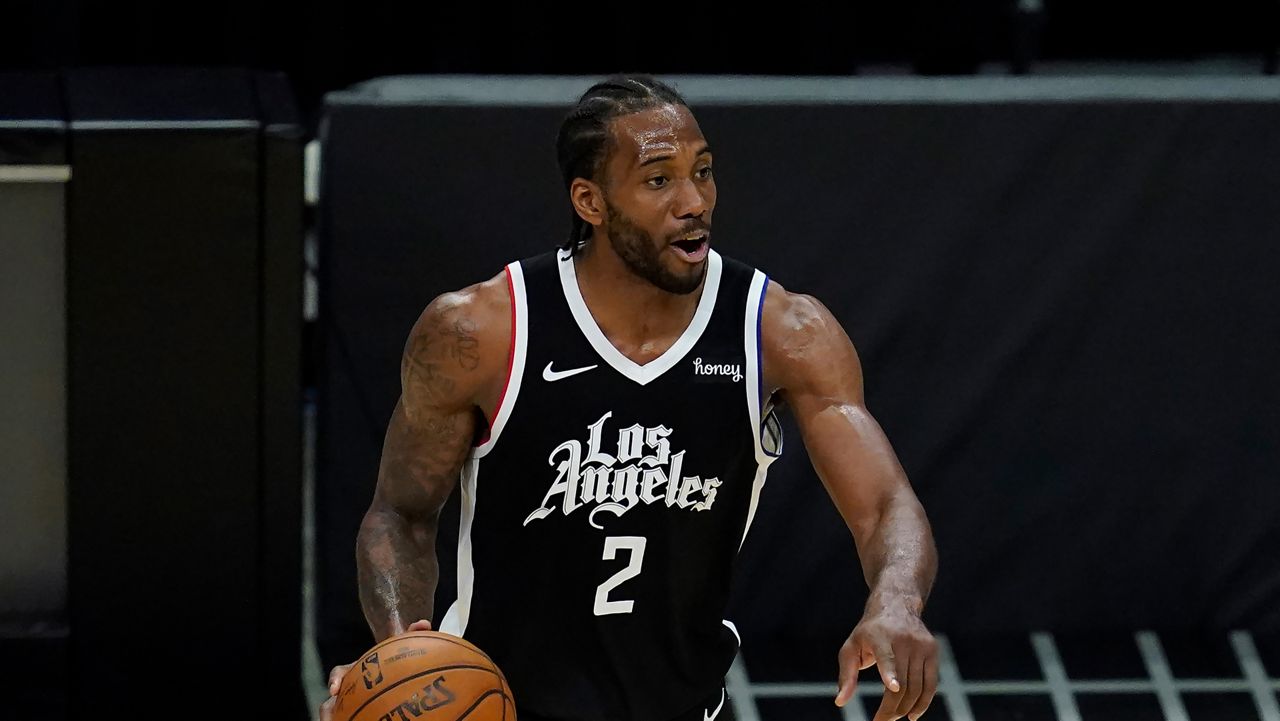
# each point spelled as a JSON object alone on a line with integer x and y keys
{"x": 1066, "y": 308}
{"x": 328, "y": 45}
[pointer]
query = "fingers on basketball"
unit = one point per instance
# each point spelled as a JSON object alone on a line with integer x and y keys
{"x": 424, "y": 671}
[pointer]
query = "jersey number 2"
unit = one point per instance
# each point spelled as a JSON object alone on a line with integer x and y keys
{"x": 612, "y": 544}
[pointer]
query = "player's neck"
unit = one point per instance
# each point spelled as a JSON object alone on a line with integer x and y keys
{"x": 629, "y": 308}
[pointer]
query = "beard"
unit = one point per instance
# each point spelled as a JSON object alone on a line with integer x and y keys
{"x": 642, "y": 255}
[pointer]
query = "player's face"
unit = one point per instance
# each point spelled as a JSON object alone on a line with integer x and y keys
{"x": 659, "y": 197}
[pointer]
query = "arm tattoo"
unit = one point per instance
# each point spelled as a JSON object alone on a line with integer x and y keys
{"x": 427, "y": 443}
{"x": 397, "y": 576}
{"x": 396, "y": 554}
{"x": 466, "y": 348}
{"x": 423, "y": 373}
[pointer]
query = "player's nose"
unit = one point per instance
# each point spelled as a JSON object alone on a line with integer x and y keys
{"x": 691, "y": 202}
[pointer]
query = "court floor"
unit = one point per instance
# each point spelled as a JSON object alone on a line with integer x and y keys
{"x": 1121, "y": 677}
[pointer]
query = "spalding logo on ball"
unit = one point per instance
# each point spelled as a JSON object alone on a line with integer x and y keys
{"x": 423, "y": 672}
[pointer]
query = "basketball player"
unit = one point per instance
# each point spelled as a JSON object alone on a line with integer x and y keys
{"x": 608, "y": 409}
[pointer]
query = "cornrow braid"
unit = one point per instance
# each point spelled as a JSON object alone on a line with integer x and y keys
{"x": 583, "y": 143}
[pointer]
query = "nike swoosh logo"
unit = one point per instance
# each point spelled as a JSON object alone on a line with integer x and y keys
{"x": 550, "y": 375}
{"x": 712, "y": 716}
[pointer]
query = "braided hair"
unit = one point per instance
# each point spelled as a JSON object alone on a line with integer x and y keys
{"x": 583, "y": 143}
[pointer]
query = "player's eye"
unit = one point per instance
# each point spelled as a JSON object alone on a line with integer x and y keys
{"x": 657, "y": 181}
{"x": 704, "y": 172}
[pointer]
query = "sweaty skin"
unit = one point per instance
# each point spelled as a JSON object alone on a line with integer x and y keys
{"x": 658, "y": 186}
{"x": 813, "y": 368}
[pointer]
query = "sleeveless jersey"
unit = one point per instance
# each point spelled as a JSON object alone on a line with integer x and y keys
{"x": 603, "y": 512}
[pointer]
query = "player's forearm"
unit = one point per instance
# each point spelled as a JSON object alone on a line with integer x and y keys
{"x": 396, "y": 559}
{"x": 900, "y": 559}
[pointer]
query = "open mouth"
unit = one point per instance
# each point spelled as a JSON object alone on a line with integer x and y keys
{"x": 693, "y": 246}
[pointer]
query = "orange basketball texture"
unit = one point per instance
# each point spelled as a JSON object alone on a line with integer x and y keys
{"x": 426, "y": 676}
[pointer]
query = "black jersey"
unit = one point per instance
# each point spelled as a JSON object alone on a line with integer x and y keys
{"x": 602, "y": 514}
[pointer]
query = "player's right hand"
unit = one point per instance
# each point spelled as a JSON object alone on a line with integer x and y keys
{"x": 335, "y": 676}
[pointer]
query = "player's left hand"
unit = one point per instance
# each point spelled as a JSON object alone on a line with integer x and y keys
{"x": 896, "y": 640}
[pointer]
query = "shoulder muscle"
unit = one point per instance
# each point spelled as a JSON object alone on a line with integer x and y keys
{"x": 457, "y": 349}
{"x": 805, "y": 349}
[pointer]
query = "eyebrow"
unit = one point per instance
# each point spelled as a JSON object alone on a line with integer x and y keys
{"x": 706, "y": 149}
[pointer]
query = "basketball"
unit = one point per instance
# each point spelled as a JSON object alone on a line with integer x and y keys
{"x": 424, "y": 674}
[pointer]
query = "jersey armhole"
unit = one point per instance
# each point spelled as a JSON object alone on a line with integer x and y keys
{"x": 766, "y": 429}
{"x": 515, "y": 360}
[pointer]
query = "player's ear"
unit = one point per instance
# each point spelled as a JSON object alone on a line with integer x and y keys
{"x": 588, "y": 201}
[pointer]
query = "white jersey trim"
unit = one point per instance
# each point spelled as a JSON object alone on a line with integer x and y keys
{"x": 730, "y": 625}
{"x": 762, "y": 472}
{"x": 754, "y": 381}
{"x": 519, "y": 351}
{"x": 642, "y": 374}
{"x": 456, "y": 618}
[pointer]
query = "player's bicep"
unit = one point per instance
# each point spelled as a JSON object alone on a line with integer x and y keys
{"x": 422, "y": 458}
{"x": 809, "y": 357}
{"x": 431, "y": 430}
{"x": 820, "y": 378}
